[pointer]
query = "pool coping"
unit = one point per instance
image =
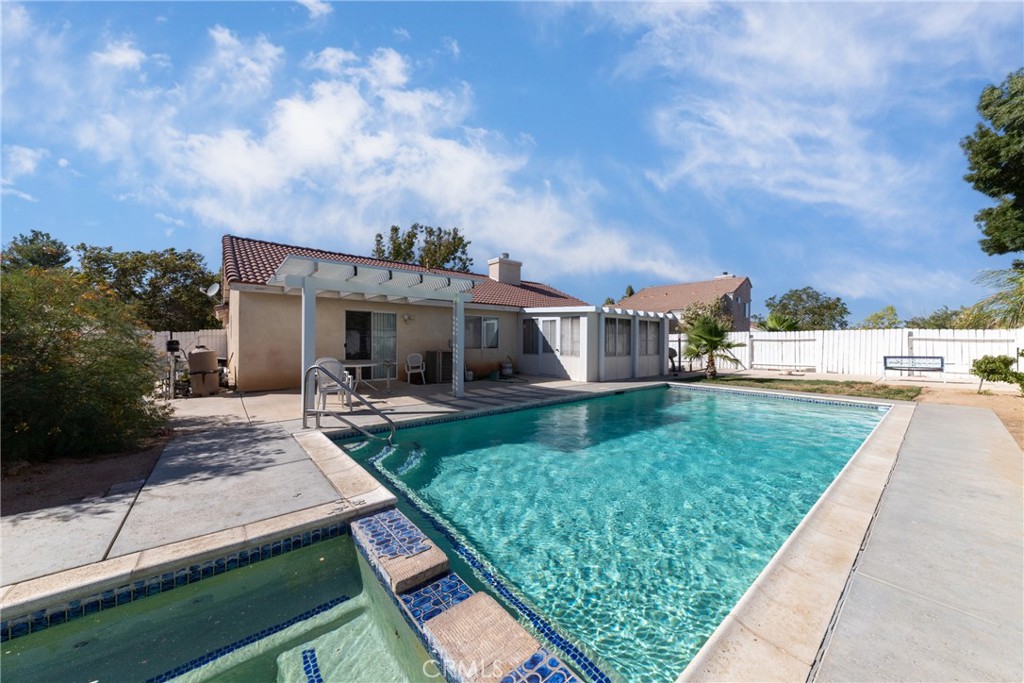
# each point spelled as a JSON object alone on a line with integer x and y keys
{"x": 779, "y": 627}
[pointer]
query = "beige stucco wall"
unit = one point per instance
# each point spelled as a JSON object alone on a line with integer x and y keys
{"x": 265, "y": 335}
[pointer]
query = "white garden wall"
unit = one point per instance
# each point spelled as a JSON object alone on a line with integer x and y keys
{"x": 860, "y": 352}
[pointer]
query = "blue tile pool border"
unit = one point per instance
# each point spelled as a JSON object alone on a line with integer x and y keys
{"x": 38, "y": 620}
{"x": 489, "y": 575}
{"x": 345, "y": 434}
{"x": 783, "y": 396}
{"x": 310, "y": 666}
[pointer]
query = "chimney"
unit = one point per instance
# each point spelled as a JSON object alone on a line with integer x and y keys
{"x": 505, "y": 270}
{"x": 725, "y": 275}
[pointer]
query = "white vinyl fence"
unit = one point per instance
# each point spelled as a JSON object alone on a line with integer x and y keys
{"x": 214, "y": 340}
{"x": 861, "y": 352}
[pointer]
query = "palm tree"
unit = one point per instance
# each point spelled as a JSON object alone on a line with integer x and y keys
{"x": 1005, "y": 307}
{"x": 777, "y": 322}
{"x": 708, "y": 337}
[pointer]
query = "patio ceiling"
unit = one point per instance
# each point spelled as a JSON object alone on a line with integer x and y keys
{"x": 357, "y": 281}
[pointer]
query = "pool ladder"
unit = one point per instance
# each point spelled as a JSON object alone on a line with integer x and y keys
{"x": 314, "y": 371}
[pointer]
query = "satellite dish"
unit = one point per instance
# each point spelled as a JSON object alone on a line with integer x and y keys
{"x": 212, "y": 290}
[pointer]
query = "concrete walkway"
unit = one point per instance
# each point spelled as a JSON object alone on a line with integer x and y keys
{"x": 938, "y": 591}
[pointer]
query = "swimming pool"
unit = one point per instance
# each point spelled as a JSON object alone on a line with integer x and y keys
{"x": 630, "y": 523}
{"x": 313, "y": 614}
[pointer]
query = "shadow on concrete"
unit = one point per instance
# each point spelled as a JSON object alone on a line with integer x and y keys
{"x": 224, "y": 452}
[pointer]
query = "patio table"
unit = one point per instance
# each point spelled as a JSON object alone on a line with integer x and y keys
{"x": 358, "y": 365}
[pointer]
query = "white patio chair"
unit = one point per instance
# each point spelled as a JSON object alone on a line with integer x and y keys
{"x": 325, "y": 385}
{"x": 413, "y": 365}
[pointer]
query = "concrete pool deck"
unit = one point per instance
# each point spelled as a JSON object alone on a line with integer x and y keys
{"x": 939, "y": 574}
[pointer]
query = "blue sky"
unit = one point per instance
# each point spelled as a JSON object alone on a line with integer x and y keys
{"x": 601, "y": 144}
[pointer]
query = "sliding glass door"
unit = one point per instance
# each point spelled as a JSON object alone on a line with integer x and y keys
{"x": 372, "y": 337}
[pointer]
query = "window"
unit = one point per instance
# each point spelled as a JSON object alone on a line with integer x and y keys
{"x": 617, "y": 336}
{"x": 650, "y": 338}
{"x": 530, "y": 332}
{"x": 570, "y": 337}
{"x": 481, "y": 332}
{"x": 490, "y": 333}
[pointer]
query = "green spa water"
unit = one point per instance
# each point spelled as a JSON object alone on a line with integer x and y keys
{"x": 164, "y": 637}
{"x": 633, "y": 522}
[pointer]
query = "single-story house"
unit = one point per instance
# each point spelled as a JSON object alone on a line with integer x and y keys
{"x": 732, "y": 290}
{"x": 285, "y": 306}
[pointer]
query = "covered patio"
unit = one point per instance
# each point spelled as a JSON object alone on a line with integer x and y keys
{"x": 318, "y": 277}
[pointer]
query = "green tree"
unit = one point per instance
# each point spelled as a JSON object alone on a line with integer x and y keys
{"x": 995, "y": 159}
{"x": 717, "y": 309}
{"x": 440, "y": 248}
{"x": 944, "y": 318}
{"x": 776, "y": 322}
{"x": 811, "y": 309}
{"x": 35, "y": 249}
{"x": 707, "y": 338}
{"x": 78, "y": 373}
{"x": 165, "y": 289}
{"x": 885, "y": 319}
{"x": 629, "y": 292}
{"x": 608, "y": 301}
{"x": 997, "y": 369}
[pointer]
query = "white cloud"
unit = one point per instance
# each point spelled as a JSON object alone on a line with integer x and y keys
{"x": 240, "y": 69}
{"x": 451, "y": 46}
{"x": 119, "y": 55}
{"x": 16, "y": 22}
{"x": 317, "y": 8}
{"x": 22, "y": 161}
{"x": 164, "y": 218}
{"x": 331, "y": 60}
{"x": 873, "y": 276}
{"x": 17, "y": 193}
{"x": 793, "y": 100}
{"x": 361, "y": 146}
{"x": 63, "y": 163}
{"x": 402, "y": 34}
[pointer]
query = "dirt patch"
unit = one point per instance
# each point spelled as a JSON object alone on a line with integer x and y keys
{"x": 35, "y": 486}
{"x": 1008, "y": 407}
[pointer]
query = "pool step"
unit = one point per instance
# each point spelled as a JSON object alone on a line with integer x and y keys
{"x": 479, "y": 639}
{"x": 471, "y": 637}
{"x": 399, "y": 553}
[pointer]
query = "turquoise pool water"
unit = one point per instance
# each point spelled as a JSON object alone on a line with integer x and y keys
{"x": 633, "y": 522}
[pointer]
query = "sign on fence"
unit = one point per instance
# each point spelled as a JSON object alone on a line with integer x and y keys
{"x": 919, "y": 363}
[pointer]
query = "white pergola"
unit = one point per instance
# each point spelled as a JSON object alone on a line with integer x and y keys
{"x": 347, "y": 280}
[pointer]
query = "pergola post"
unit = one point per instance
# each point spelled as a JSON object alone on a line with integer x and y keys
{"x": 308, "y": 334}
{"x": 459, "y": 346}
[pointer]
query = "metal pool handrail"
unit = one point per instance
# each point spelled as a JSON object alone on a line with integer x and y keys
{"x": 307, "y": 410}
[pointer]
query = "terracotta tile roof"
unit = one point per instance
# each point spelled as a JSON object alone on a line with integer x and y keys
{"x": 253, "y": 261}
{"x": 665, "y": 298}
